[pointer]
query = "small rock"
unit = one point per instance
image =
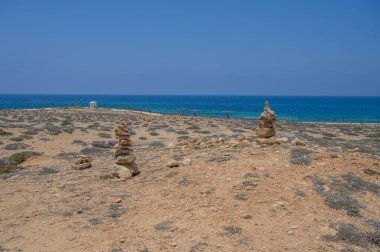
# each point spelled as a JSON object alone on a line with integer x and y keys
{"x": 172, "y": 163}
{"x": 118, "y": 200}
{"x": 187, "y": 161}
{"x": 282, "y": 139}
{"x": 173, "y": 244}
{"x": 298, "y": 142}
{"x": 290, "y": 233}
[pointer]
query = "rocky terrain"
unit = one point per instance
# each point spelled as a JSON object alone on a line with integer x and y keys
{"x": 204, "y": 184}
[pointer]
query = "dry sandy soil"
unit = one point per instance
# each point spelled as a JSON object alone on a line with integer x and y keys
{"x": 234, "y": 196}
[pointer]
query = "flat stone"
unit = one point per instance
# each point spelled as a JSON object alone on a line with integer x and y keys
{"x": 298, "y": 142}
{"x": 267, "y": 141}
{"x": 133, "y": 168}
{"x": 126, "y": 142}
{"x": 121, "y": 147}
{"x": 172, "y": 163}
{"x": 82, "y": 166}
{"x": 123, "y": 152}
{"x": 187, "y": 161}
{"x": 125, "y": 159}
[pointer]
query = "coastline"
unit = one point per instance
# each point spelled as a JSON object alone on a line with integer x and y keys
{"x": 168, "y": 114}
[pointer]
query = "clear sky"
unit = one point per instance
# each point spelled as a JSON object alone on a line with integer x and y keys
{"x": 267, "y": 47}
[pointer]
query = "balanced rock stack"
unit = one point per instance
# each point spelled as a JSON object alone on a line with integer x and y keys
{"x": 125, "y": 165}
{"x": 265, "y": 131}
{"x": 83, "y": 162}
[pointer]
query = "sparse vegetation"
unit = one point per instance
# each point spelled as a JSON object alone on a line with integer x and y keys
{"x": 15, "y": 146}
{"x": 300, "y": 156}
{"x": 233, "y": 229}
{"x": 241, "y": 196}
{"x": 115, "y": 211}
{"x": 104, "y": 135}
{"x": 165, "y": 225}
{"x": 47, "y": 171}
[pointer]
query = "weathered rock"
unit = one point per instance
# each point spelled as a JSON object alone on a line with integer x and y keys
{"x": 172, "y": 163}
{"x": 283, "y": 139}
{"x": 82, "y": 163}
{"x": 121, "y": 147}
{"x": 120, "y": 132}
{"x": 125, "y": 159}
{"x": 268, "y": 141}
{"x": 122, "y": 172}
{"x": 265, "y": 132}
{"x": 122, "y": 152}
{"x": 186, "y": 161}
{"x": 298, "y": 142}
{"x": 82, "y": 166}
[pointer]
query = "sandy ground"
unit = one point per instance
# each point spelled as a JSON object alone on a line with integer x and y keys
{"x": 234, "y": 196}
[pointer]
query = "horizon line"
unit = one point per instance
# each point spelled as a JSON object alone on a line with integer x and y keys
{"x": 220, "y": 95}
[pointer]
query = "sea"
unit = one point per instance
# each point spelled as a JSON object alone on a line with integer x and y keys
{"x": 287, "y": 108}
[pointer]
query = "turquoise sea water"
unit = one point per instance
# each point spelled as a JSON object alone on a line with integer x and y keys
{"x": 291, "y": 108}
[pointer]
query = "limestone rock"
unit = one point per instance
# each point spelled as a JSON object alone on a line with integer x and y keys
{"x": 83, "y": 162}
{"x": 268, "y": 141}
{"x": 122, "y": 172}
{"x": 125, "y": 159}
{"x": 298, "y": 142}
{"x": 172, "y": 163}
{"x": 187, "y": 161}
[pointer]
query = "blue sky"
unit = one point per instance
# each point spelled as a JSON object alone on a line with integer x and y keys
{"x": 267, "y": 47}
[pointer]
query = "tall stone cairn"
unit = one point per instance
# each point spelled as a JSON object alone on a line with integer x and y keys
{"x": 266, "y": 129}
{"x": 125, "y": 165}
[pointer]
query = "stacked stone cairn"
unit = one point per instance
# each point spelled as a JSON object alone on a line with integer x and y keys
{"x": 125, "y": 166}
{"x": 82, "y": 163}
{"x": 265, "y": 131}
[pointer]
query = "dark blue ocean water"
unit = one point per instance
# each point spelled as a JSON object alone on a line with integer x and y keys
{"x": 305, "y": 109}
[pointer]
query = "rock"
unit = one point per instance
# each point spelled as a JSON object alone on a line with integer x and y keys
{"x": 81, "y": 166}
{"x": 265, "y": 132}
{"x": 298, "y": 142}
{"x": 265, "y": 129}
{"x": 267, "y": 141}
{"x": 242, "y": 138}
{"x": 125, "y": 159}
{"x": 122, "y": 172}
{"x": 83, "y": 162}
{"x": 172, "y": 163}
{"x": 125, "y": 166}
{"x": 187, "y": 161}
{"x": 282, "y": 139}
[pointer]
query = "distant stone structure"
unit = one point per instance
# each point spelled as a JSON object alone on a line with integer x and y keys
{"x": 265, "y": 131}
{"x": 125, "y": 165}
{"x": 93, "y": 104}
